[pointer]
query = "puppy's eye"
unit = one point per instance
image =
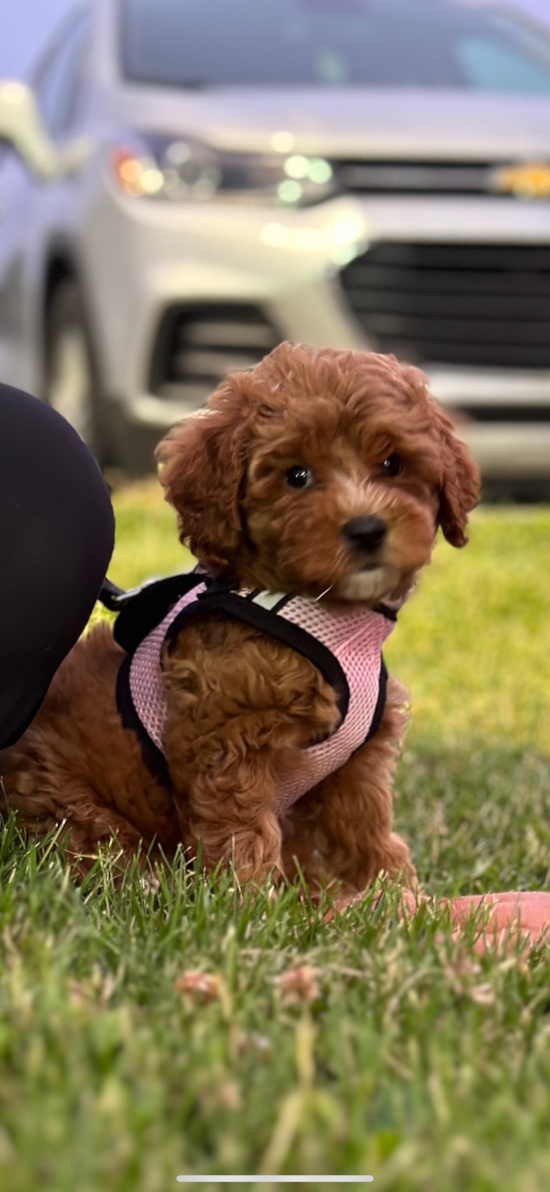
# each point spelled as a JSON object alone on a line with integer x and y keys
{"x": 393, "y": 465}
{"x": 299, "y": 477}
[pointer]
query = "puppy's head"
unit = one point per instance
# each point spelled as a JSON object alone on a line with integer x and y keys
{"x": 320, "y": 471}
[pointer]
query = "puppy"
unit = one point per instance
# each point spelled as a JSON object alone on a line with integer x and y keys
{"x": 249, "y": 712}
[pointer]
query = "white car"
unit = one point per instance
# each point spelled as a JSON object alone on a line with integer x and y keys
{"x": 213, "y": 177}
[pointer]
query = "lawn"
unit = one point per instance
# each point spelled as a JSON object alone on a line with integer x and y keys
{"x": 392, "y": 1051}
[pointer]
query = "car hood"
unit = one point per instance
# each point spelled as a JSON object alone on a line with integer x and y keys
{"x": 347, "y": 122}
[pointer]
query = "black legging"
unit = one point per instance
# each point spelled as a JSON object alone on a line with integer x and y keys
{"x": 56, "y": 539}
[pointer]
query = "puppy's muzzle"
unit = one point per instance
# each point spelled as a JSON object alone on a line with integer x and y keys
{"x": 365, "y": 534}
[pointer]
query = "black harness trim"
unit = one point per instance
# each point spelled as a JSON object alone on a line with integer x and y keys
{"x": 281, "y": 603}
{"x": 389, "y": 613}
{"x": 380, "y": 703}
{"x": 151, "y": 754}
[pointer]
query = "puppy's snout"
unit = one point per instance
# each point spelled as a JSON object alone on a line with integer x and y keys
{"x": 365, "y": 533}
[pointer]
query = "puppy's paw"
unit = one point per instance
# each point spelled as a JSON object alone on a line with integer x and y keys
{"x": 397, "y": 862}
{"x": 255, "y": 859}
{"x": 254, "y": 852}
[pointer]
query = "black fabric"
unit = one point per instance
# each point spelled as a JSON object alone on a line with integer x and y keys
{"x": 389, "y": 613}
{"x": 143, "y": 609}
{"x": 111, "y": 596}
{"x": 56, "y": 538}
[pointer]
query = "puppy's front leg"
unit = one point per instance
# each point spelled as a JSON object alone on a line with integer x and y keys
{"x": 226, "y": 805}
{"x": 237, "y": 703}
{"x": 342, "y": 830}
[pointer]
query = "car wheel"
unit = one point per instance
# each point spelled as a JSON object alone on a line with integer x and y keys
{"x": 71, "y": 377}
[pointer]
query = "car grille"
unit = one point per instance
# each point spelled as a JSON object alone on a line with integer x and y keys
{"x": 415, "y": 177}
{"x": 507, "y": 413}
{"x": 471, "y": 304}
{"x": 196, "y": 346}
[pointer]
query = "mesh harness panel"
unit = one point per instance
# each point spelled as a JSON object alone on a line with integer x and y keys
{"x": 345, "y": 646}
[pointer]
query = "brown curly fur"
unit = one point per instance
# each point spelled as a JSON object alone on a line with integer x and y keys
{"x": 240, "y": 704}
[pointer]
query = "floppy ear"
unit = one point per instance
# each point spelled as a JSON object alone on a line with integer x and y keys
{"x": 460, "y": 486}
{"x": 203, "y": 465}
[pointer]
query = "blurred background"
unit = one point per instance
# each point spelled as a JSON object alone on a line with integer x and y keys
{"x": 184, "y": 183}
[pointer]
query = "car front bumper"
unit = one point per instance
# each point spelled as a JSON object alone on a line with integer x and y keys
{"x": 142, "y": 258}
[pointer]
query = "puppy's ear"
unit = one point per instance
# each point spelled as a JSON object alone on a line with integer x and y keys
{"x": 460, "y": 487}
{"x": 203, "y": 466}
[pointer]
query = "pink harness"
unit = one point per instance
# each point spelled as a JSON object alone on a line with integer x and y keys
{"x": 345, "y": 645}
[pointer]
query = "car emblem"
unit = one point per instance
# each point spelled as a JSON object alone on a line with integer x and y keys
{"x": 528, "y": 180}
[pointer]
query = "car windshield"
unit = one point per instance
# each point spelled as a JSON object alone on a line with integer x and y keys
{"x": 331, "y": 43}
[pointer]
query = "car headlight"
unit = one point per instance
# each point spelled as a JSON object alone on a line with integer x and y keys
{"x": 176, "y": 168}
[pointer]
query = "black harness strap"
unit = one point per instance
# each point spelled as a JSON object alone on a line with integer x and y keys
{"x": 142, "y": 609}
{"x": 151, "y": 754}
{"x": 380, "y": 703}
{"x": 111, "y": 596}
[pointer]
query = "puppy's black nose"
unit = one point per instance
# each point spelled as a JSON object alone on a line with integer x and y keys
{"x": 365, "y": 533}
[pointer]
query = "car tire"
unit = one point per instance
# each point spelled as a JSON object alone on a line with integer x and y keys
{"x": 71, "y": 377}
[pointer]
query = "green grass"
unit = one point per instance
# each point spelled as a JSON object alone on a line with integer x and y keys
{"x": 406, "y": 1056}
